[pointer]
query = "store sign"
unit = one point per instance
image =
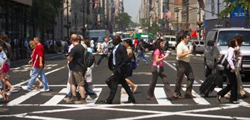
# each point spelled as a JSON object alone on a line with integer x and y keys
{"x": 238, "y": 12}
{"x": 26, "y": 2}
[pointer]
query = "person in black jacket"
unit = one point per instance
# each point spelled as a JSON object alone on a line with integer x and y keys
{"x": 117, "y": 62}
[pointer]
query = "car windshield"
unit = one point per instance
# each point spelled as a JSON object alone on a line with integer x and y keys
{"x": 225, "y": 36}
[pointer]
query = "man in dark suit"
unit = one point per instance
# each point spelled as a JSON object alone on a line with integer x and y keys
{"x": 118, "y": 61}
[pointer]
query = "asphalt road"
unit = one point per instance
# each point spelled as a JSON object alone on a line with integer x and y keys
{"x": 37, "y": 105}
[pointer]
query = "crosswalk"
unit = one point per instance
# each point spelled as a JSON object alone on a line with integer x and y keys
{"x": 59, "y": 92}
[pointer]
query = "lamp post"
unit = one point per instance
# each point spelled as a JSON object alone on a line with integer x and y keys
{"x": 67, "y": 25}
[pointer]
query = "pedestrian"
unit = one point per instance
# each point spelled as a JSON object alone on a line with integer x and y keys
{"x": 92, "y": 45}
{"x": 33, "y": 46}
{"x": 131, "y": 55}
{"x": 88, "y": 76}
{"x": 183, "y": 66}
{"x": 230, "y": 72}
{"x": 98, "y": 47}
{"x": 141, "y": 52}
{"x": 135, "y": 44}
{"x": 158, "y": 71}
{"x": 77, "y": 69}
{"x": 104, "y": 50}
{"x": 4, "y": 67}
{"x": 194, "y": 47}
{"x": 117, "y": 63}
{"x": 238, "y": 55}
{"x": 38, "y": 65}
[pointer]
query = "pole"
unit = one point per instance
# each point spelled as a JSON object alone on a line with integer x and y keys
{"x": 200, "y": 21}
{"x": 187, "y": 9}
{"x": 75, "y": 22}
{"x": 67, "y": 2}
{"x": 218, "y": 12}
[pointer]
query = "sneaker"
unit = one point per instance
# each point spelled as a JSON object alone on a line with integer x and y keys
{"x": 44, "y": 90}
{"x": 81, "y": 101}
{"x": 25, "y": 88}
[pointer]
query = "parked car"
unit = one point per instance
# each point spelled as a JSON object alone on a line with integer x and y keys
{"x": 171, "y": 40}
{"x": 216, "y": 47}
{"x": 199, "y": 45}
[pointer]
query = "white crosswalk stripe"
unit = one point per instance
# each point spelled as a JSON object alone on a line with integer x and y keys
{"x": 161, "y": 98}
{"x": 198, "y": 99}
{"x": 57, "y": 98}
{"x": 23, "y": 98}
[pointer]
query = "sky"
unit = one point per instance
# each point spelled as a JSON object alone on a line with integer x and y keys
{"x": 132, "y": 8}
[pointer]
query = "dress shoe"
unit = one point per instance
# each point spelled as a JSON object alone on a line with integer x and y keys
{"x": 105, "y": 102}
{"x": 189, "y": 95}
{"x": 234, "y": 102}
{"x": 218, "y": 98}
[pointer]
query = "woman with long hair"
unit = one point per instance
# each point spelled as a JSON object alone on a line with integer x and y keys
{"x": 158, "y": 71}
{"x": 128, "y": 45}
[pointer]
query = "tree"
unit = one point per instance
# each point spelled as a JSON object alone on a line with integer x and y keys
{"x": 44, "y": 14}
{"x": 123, "y": 20}
{"x": 233, "y": 5}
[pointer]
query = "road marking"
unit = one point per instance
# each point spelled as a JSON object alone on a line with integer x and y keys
{"x": 247, "y": 89}
{"x": 161, "y": 96}
{"x": 174, "y": 68}
{"x": 199, "y": 100}
{"x": 23, "y": 98}
{"x": 57, "y": 98}
{"x": 47, "y": 73}
{"x": 124, "y": 96}
{"x": 98, "y": 92}
{"x": 241, "y": 102}
{"x": 41, "y": 118}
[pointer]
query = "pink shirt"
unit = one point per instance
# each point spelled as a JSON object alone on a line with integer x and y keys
{"x": 161, "y": 55}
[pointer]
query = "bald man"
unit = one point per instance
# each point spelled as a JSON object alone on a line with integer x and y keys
{"x": 77, "y": 69}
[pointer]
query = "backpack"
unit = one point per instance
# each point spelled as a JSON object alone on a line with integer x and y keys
{"x": 89, "y": 59}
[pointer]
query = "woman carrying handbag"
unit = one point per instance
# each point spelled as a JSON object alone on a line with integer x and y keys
{"x": 230, "y": 72}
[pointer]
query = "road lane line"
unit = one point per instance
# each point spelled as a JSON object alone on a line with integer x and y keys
{"x": 199, "y": 100}
{"x": 174, "y": 68}
{"x": 98, "y": 92}
{"x": 57, "y": 98}
{"x": 41, "y": 118}
{"x": 241, "y": 102}
{"x": 247, "y": 89}
{"x": 47, "y": 73}
{"x": 22, "y": 98}
{"x": 161, "y": 96}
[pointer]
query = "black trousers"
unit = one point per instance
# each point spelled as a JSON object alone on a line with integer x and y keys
{"x": 118, "y": 77}
{"x": 232, "y": 85}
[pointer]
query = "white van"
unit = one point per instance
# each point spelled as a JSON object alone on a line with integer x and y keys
{"x": 171, "y": 39}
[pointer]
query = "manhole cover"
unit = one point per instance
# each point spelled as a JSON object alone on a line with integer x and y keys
{"x": 4, "y": 109}
{"x": 49, "y": 94}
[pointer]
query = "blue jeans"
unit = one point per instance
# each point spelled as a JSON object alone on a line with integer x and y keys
{"x": 142, "y": 55}
{"x": 35, "y": 73}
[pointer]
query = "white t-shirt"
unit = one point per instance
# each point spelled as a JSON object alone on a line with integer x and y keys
{"x": 182, "y": 48}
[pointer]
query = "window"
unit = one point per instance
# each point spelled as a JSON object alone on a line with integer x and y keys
{"x": 225, "y": 36}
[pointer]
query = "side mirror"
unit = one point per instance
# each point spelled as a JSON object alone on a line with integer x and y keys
{"x": 210, "y": 43}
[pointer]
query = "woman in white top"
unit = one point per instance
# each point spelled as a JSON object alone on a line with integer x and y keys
{"x": 230, "y": 71}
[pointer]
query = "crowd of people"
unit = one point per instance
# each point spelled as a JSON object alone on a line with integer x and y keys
{"x": 122, "y": 60}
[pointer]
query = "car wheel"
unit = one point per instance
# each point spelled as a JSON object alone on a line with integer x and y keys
{"x": 208, "y": 71}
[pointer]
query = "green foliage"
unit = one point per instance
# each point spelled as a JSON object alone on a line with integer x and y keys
{"x": 45, "y": 12}
{"x": 154, "y": 29}
{"x": 231, "y": 6}
{"x": 123, "y": 20}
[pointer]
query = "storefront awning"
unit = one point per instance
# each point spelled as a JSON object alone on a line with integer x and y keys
{"x": 25, "y": 2}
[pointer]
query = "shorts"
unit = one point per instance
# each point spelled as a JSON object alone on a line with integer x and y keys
{"x": 76, "y": 78}
{"x": 5, "y": 68}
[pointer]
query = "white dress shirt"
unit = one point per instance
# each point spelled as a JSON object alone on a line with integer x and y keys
{"x": 115, "y": 48}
